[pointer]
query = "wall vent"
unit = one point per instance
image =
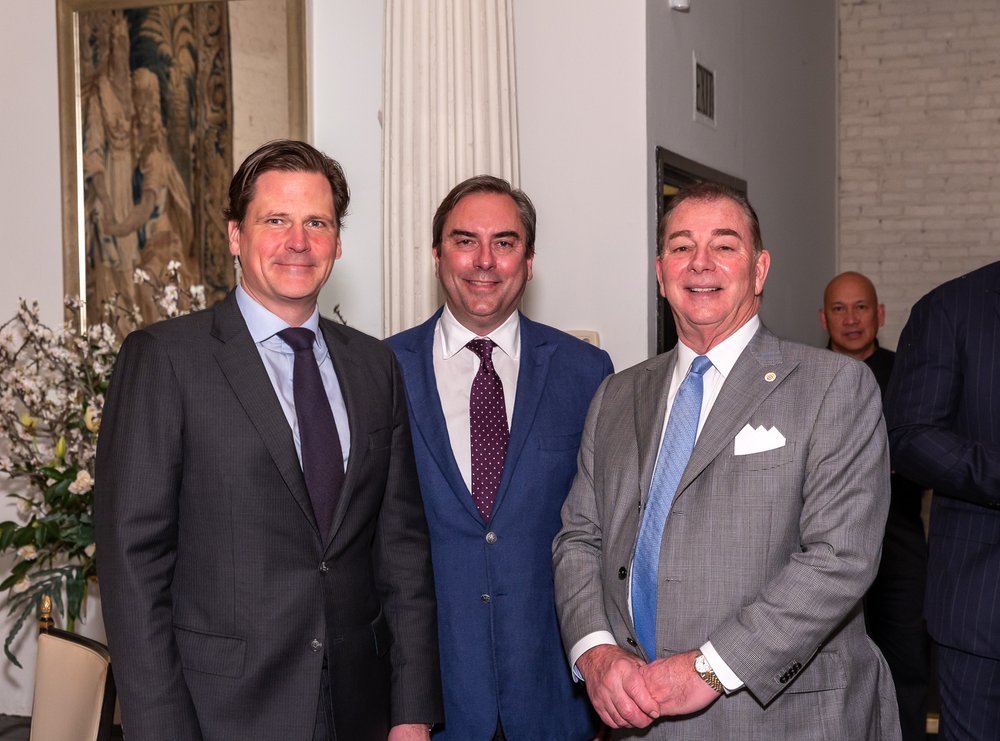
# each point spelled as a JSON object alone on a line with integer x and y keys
{"x": 704, "y": 92}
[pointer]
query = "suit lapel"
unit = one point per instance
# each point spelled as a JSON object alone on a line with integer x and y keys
{"x": 744, "y": 390}
{"x": 536, "y": 355}
{"x": 651, "y": 392}
{"x": 427, "y": 419}
{"x": 352, "y": 379}
{"x": 240, "y": 362}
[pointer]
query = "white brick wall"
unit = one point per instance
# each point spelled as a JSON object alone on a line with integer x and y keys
{"x": 919, "y": 192}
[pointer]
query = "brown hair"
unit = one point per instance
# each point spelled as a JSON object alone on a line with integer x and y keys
{"x": 486, "y": 184}
{"x": 286, "y": 155}
{"x": 710, "y": 191}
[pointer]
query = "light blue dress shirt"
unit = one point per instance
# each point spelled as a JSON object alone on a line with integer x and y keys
{"x": 279, "y": 361}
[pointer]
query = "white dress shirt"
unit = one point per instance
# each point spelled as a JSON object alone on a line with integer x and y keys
{"x": 455, "y": 366}
{"x": 723, "y": 357}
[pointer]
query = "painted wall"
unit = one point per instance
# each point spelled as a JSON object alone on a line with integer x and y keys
{"x": 582, "y": 123}
{"x": 31, "y": 241}
{"x": 775, "y": 72}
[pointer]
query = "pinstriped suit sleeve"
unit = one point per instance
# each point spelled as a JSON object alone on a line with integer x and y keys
{"x": 945, "y": 334}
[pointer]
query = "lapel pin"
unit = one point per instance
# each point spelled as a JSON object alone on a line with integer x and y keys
{"x": 770, "y": 376}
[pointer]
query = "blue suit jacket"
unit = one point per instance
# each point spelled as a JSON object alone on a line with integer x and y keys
{"x": 943, "y": 411}
{"x": 499, "y": 638}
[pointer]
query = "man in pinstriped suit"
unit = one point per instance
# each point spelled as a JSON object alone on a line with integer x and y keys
{"x": 943, "y": 410}
{"x": 773, "y": 535}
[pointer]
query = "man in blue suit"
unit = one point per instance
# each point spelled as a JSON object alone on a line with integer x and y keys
{"x": 497, "y": 405}
{"x": 943, "y": 412}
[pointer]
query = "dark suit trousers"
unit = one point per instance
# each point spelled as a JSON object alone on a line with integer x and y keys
{"x": 324, "y": 730}
{"x": 970, "y": 696}
{"x": 894, "y": 614}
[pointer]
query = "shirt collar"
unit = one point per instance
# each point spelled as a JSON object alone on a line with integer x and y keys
{"x": 455, "y": 336}
{"x": 725, "y": 354}
{"x": 264, "y": 324}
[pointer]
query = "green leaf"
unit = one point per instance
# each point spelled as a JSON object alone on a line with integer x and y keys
{"x": 24, "y": 536}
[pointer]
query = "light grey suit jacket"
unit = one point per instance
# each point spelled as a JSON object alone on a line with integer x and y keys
{"x": 767, "y": 555}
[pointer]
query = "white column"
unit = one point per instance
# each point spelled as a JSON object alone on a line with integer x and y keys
{"x": 449, "y": 112}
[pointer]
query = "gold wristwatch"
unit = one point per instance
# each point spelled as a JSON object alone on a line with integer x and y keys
{"x": 705, "y": 671}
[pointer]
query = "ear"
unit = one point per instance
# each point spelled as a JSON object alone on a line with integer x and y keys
{"x": 529, "y": 261}
{"x": 659, "y": 277}
{"x": 760, "y": 271}
{"x": 822, "y": 320}
{"x": 436, "y": 251}
{"x": 234, "y": 237}
{"x": 339, "y": 251}
{"x": 881, "y": 315}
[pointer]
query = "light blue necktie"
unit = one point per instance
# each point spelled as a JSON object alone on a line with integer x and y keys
{"x": 675, "y": 450}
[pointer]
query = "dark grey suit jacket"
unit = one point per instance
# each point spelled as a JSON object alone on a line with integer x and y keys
{"x": 766, "y": 554}
{"x": 220, "y": 596}
{"x": 943, "y": 408}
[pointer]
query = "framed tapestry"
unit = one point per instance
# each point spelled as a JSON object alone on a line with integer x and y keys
{"x": 673, "y": 172}
{"x": 158, "y": 102}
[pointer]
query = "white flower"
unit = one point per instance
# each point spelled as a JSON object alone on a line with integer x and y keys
{"x": 27, "y": 552}
{"x": 168, "y": 301}
{"x": 141, "y": 276}
{"x": 173, "y": 269}
{"x": 84, "y": 482}
{"x": 197, "y": 297}
{"x": 90, "y": 550}
{"x": 21, "y": 585}
{"x": 24, "y": 508}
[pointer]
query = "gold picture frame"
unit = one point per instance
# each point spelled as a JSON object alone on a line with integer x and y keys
{"x": 239, "y": 83}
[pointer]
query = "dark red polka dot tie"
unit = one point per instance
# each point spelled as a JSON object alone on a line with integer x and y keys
{"x": 488, "y": 418}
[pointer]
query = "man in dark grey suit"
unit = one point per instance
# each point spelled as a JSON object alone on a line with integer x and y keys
{"x": 264, "y": 555}
{"x": 943, "y": 409}
{"x": 710, "y": 586}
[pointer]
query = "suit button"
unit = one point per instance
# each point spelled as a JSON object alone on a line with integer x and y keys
{"x": 316, "y": 645}
{"x": 484, "y": 598}
{"x": 622, "y": 572}
{"x": 631, "y": 641}
{"x": 491, "y": 537}
{"x": 323, "y": 568}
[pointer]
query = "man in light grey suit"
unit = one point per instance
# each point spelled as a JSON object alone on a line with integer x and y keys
{"x": 760, "y": 538}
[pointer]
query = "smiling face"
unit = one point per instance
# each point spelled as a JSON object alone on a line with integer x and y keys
{"x": 708, "y": 271}
{"x": 852, "y": 315}
{"x": 482, "y": 261}
{"x": 288, "y": 242}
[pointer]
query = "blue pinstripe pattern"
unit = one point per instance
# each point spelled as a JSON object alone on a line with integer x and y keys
{"x": 943, "y": 412}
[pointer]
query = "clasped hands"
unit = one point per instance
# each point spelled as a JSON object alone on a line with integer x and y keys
{"x": 629, "y": 693}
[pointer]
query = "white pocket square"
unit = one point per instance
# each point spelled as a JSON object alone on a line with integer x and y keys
{"x": 757, "y": 440}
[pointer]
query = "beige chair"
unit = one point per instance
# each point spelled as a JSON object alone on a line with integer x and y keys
{"x": 74, "y": 688}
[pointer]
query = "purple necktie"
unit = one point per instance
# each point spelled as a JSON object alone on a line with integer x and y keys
{"x": 488, "y": 424}
{"x": 322, "y": 456}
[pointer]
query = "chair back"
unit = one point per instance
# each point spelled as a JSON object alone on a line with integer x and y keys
{"x": 74, "y": 686}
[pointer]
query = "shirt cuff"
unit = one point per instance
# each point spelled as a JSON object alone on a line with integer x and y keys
{"x": 729, "y": 680}
{"x": 589, "y": 641}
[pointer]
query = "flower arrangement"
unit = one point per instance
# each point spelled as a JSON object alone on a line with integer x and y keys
{"x": 52, "y": 386}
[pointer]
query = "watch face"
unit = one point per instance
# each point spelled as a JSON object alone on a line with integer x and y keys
{"x": 701, "y": 664}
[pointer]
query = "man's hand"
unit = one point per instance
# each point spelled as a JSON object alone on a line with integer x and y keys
{"x": 616, "y": 687}
{"x": 677, "y": 688}
{"x": 409, "y": 732}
